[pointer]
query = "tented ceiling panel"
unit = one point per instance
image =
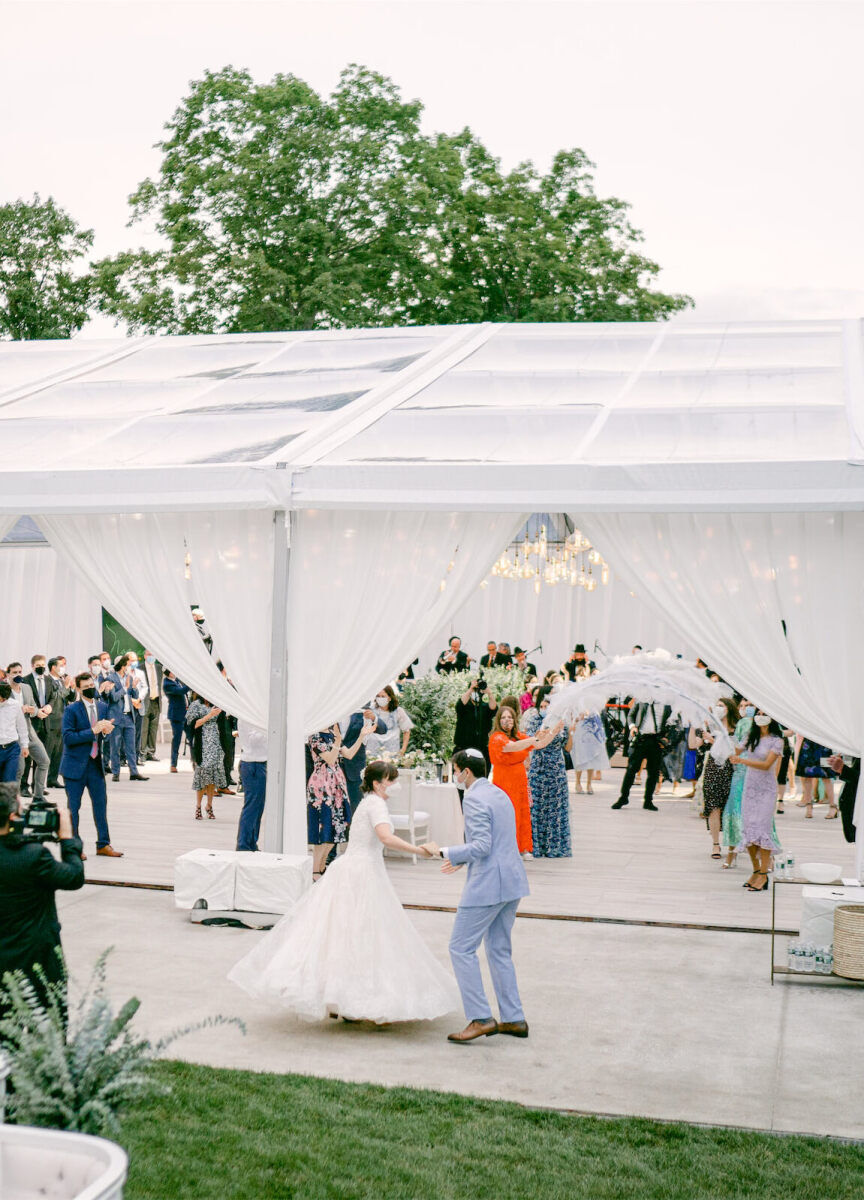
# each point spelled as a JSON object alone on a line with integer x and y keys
{"x": 616, "y": 415}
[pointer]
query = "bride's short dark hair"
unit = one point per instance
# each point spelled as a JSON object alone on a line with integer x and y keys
{"x": 377, "y": 772}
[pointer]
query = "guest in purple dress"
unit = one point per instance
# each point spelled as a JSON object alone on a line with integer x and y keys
{"x": 761, "y": 756}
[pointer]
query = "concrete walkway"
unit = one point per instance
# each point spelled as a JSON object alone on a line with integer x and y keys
{"x": 663, "y": 1023}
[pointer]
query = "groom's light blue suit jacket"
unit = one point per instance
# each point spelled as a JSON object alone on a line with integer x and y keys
{"x": 495, "y": 871}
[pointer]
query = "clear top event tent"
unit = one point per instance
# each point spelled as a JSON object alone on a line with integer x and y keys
{"x": 717, "y": 467}
{"x": 608, "y": 416}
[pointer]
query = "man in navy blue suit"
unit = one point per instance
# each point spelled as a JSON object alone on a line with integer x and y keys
{"x": 122, "y": 712}
{"x": 85, "y": 725}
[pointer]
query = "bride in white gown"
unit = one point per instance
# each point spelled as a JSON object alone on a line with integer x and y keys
{"x": 347, "y": 947}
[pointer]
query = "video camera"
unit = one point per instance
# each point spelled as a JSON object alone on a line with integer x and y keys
{"x": 40, "y": 823}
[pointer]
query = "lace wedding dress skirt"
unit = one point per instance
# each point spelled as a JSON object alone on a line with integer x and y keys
{"x": 348, "y": 945}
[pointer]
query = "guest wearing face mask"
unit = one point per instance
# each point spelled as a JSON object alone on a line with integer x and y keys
{"x": 547, "y": 783}
{"x": 64, "y": 693}
{"x": 352, "y": 755}
{"x": 102, "y": 670}
{"x": 153, "y": 711}
{"x": 717, "y": 777}
{"x": 399, "y": 725}
{"x": 21, "y": 694}
{"x": 120, "y": 710}
{"x": 42, "y": 690}
{"x": 86, "y": 722}
{"x": 177, "y": 694}
{"x": 139, "y": 704}
{"x": 730, "y": 833}
{"x": 760, "y": 758}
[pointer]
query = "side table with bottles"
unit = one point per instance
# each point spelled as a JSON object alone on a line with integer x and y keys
{"x": 820, "y": 966}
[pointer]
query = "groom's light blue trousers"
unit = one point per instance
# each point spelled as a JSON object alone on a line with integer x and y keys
{"x": 494, "y": 926}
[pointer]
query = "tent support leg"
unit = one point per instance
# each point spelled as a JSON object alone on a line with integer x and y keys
{"x": 273, "y": 833}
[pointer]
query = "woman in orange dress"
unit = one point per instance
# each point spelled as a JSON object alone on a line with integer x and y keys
{"x": 508, "y": 751}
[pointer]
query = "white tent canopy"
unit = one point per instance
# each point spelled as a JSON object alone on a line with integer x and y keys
{"x": 597, "y": 417}
{"x": 362, "y": 481}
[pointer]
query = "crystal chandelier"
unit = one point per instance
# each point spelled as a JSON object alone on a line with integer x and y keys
{"x": 573, "y": 560}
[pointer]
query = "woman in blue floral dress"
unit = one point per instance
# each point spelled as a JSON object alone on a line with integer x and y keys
{"x": 547, "y": 782}
{"x": 328, "y": 810}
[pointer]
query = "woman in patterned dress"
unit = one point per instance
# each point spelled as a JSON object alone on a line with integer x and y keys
{"x": 328, "y": 811}
{"x": 760, "y": 758}
{"x": 208, "y": 757}
{"x": 547, "y": 782}
{"x": 717, "y": 777}
{"x": 508, "y": 750}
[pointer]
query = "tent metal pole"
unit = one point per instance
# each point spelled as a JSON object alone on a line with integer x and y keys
{"x": 277, "y": 720}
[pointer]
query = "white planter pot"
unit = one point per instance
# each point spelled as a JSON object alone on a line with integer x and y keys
{"x": 64, "y": 1166}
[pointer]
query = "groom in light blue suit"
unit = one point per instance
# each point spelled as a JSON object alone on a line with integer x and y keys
{"x": 496, "y": 883}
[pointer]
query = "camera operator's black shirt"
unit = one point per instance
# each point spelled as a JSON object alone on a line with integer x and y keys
{"x": 29, "y": 877}
{"x": 473, "y": 726}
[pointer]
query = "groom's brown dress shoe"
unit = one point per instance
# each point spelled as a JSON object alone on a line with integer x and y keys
{"x": 514, "y": 1028}
{"x": 473, "y": 1030}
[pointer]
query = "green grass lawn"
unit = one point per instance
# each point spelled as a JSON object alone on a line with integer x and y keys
{"x": 222, "y": 1134}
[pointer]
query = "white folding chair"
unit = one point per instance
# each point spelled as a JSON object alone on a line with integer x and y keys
{"x": 413, "y": 821}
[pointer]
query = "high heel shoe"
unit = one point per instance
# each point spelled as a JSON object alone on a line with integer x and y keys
{"x": 764, "y": 886}
{"x": 731, "y": 860}
{"x": 832, "y": 813}
{"x": 809, "y": 812}
{"x": 210, "y": 813}
{"x": 198, "y": 816}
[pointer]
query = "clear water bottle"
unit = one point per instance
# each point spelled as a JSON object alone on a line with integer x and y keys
{"x": 780, "y": 865}
{"x": 793, "y": 956}
{"x": 819, "y": 964}
{"x": 790, "y": 867}
{"x": 808, "y": 957}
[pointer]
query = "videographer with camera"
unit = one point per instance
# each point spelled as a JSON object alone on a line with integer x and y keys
{"x": 475, "y": 712}
{"x": 29, "y": 877}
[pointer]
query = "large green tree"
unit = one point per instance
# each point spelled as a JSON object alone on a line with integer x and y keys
{"x": 45, "y": 289}
{"x": 280, "y": 209}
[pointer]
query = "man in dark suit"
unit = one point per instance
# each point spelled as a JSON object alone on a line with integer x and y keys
{"x": 453, "y": 658}
{"x": 85, "y": 724}
{"x": 353, "y": 763}
{"x": 850, "y": 774}
{"x": 121, "y": 712}
{"x": 29, "y": 877}
{"x": 177, "y": 693}
{"x": 488, "y": 659}
{"x": 648, "y": 728}
{"x": 39, "y": 683}
{"x": 101, "y": 669}
{"x": 63, "y": 694}
{"x": 523, "y": 664}
{"x": 150, "y": 720}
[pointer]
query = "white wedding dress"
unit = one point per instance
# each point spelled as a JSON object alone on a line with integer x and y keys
{"x": 348, "y": 946}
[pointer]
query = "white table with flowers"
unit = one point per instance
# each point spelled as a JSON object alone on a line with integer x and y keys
{"x": 439, "y": 800}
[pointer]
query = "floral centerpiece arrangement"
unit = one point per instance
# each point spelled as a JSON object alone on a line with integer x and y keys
{"x": 430, "y": 702}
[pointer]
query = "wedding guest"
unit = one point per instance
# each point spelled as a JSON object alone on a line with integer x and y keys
{"x": 328, "y": 808}
{"x": 63, "y": 694}
{"x": 693, "y": 757}
{"x": 849, "y": 772}
{"x": 783, "y": 773}
{"x": 177, "y": 693}
{"x": 508, "y": 750}
{"x": 121, "y": 711}
{"x": 22, "y": 695}
{"x": 353, "y": 758}
{"x": 253, "y": 775}
{"x": 760, "y": 759}
{"x": 453, "y": 658}
{"x": 731, "y": 826}
{"x": 14, "y": 738}
{"x": 208, "y": 757}
{"x": 547, "y": 783}
{"x": 528, "y": 697}
{"x": 588, "y": 750}
{"x": 399, "y": 725}
{"x": 503, "y": 657}
{"x": 86, "y": 723}
{"x": 810, "y": 769}
{"x": 717, "y": 777}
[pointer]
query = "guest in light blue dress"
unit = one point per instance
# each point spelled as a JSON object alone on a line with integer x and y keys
{"x": 547, "y": 783}
{"x": 588, "y": 751}
{"x": 731, "y": 830}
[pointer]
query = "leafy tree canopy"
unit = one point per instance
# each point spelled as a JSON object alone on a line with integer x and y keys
{"x": 44, "y": 292}
{"x": 280, "y": 209}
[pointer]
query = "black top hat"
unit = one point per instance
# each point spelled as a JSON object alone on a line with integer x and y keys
{"x": 578, "y": 648}
{"x": 518, "y": 650}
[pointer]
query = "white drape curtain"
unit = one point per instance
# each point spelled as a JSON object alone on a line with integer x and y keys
{"x": 136, "y": 562}
{"x": 231, "y": 563}
{"x": 49, "y": 611}
{"x": 772, "y": 600}
{"x": 365, "y": 593}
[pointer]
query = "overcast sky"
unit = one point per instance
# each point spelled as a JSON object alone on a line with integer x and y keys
{"x": 733, "y": 129}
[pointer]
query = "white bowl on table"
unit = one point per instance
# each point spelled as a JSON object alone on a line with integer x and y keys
{"x": 821, "y": 872}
